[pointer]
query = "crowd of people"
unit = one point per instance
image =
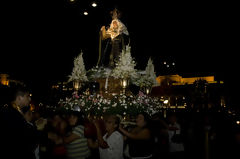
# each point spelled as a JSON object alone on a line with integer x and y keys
{"x": 44, "y": 134}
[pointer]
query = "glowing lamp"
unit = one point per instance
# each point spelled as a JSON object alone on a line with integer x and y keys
{"x": 94, "y": 4}
{"x": 124, "y": 83}
{"x": 76, "y": 84}
{"x": 165, "y": 101}
{"x": 147, "y": 91}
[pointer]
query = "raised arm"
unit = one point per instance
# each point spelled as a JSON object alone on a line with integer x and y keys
{"x": 104, "y": 34}
{"x": 92, "y": 144}
{"x": 70, "y": 138}
{"x": 142, "y": 135}
{"x": 101, "y": 142}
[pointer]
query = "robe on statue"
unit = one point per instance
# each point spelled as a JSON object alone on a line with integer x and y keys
{"x": 115, "y": 38}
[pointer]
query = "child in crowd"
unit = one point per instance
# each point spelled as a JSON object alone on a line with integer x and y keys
{"x": 110, "y": 144}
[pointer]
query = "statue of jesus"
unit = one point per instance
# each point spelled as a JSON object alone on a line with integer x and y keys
{"x": 117, "y": 36}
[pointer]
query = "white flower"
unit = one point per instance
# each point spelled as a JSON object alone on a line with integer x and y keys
{"x": 105, "y": 101}
{"x": 125, "y": 66}
{"x": 79, "y": 72}
{"x": 83, "y": 103}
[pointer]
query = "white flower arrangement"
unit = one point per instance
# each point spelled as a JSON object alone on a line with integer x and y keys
{"x": 148, "y": 77}
{"x": 125, "y": 66}
{"x": 79, "y": 71}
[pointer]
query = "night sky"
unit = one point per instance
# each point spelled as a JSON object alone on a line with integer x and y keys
{"x": 39, "y": 39}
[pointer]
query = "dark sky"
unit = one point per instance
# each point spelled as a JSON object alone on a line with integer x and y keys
{"x": 39, "y": 39}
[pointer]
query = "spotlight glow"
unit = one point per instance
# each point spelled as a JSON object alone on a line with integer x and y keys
{"x": 94, "y": 4}
{"x": 165, "y": 102}
{"x": 85, "y": 13}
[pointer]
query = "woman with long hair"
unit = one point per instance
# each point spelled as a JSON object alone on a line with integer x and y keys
{"x": 139, "y": 138}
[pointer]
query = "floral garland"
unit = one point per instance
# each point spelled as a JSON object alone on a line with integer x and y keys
{"x": 118, "y": 104}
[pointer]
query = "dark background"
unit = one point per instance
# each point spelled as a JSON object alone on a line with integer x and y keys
{"x": 39, "y": 39}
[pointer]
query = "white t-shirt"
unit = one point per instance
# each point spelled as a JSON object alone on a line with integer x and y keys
{"x": 175, "y": 147}
{"x": 115, "y": 143}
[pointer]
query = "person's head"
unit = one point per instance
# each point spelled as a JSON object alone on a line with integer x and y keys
{"x": 75, "y": 118}
{"x": 156, "y": 116}
{"x": 21, "y": 96}
{"x": 115, "y": 24}
{"x": 56, "y": 118}
{"x": 112, "y": 123}
{"x": 27, "y": 113}
{"x": 142, "y": 119}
